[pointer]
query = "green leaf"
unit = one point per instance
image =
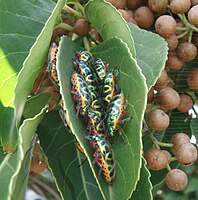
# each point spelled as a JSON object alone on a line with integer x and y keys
{"x": 24, "y": 39}
{"x": 151, "y": 50}
{"x": 73, "y": 181}
{"x": 109, "y": 22}
{"x": 130, "y": 80}
{"x": 35, "y": 59}
{"x": 194, "y": 128}
{"x": 34, "y": 104}
{"x": 13, "y": 174}
{"x": 144, "y": 186}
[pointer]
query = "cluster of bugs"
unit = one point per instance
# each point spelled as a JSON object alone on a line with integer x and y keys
{"x": 99, "y": 103}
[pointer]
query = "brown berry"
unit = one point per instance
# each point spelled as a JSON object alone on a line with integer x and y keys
{"x": 144, "y": 17}
{"x": 134, "y": 4}
{"x": 173, "y": 62}
{"x": 165, "y": 25}
{"x": 178, "y": 139}
{"x": 150, "y": 95}
{"x": 37, "y": 166}
{"x": 158, "y": 120}
{"x": 192, "y": 79}
{"x": 193, "y": 15}
{"x": 163, "y": 79}
{"x": 194, "y": 2}
{"x": 186, "y": 103}
{"x": 187, "y": 51}
{"x": 124, "y": 14}
{"x": 172, "y": 41}
{"x": 169, "y": 99}
{"x": 176, "y": 180}
{"x": 158, "y": 6}
{"x": 180, "y": 6}
{"x": 186, "y": 154}
{"x": 156, "y": 159}
{"x": 81, "y": 27}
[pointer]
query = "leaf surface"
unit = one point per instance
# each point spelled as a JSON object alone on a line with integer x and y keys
{"x": 130, "y": 80}
{"x": 73, "y": 181}
{"x": 109, "y": 22}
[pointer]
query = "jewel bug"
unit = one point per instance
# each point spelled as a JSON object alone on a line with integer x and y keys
{"x": 109, "y": 88}
{"x": 88, "y": 75}
{"x": 116, "y": 113}
{"x": 84, "y": 56}
{"x": 100, "y": 68}
{"x": 51, "y": 69}
{"x": 103, "y": 157}
{"x": 81, "y": 92}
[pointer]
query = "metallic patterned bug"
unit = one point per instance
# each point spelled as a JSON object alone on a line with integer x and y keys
{"x": 84, "y": 56}
{"x": 116, "y": 113}
{"x": 52, "y": 70}
{"x": 109, "y": 88}
{"x": 81, "y": 93}
{"x": 88, "y": 75}
{"x": 100, "y": 68}
{"x": 104, "y": 157}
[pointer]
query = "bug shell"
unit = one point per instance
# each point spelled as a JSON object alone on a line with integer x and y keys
{"x": 88, "y": 75}
{"x": 63, "y": 114}
{"x": 84, "y": 56}
{"x": 52, "y": 64}
{"x": 100, "y": 68}
{"x": 115, "y": 112}
{"x": 108, "y": 88}
{"x": 105, "y": 155}
{"x": 81, "y": 92}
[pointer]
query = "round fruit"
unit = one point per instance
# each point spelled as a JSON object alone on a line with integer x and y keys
{"x": 194, "y": 2}
{"x": 192, "y": 79}
{"x": 81, "y": 27}
{"x": 158, "y": 6}
{"x": 178, "y": 139}
{"x": 180, "y": 6}
{"x": 167, "y": 154}
{"x": 193, "y": 15}
{"x": 134, "y": 4}
{"x": 176, "y": 180}
{"x": 150, "y": 95}
{"x": 165, "y": 25}
{"x": 168, "y": 98}
{"x": 144, "y": 17}
{"x": 186, "y": 103}
{"x": 172, "y": 42}
{"x": 36, "y": 166}
{"x": 156, "y": 159}
{"x": 187, "y": 51}
{"x": 186, "y": 154}
{"x": 173, "y": 62}
{"x": 163, "y": 79}
{"x": 124, "y": 14}
{"x": 158, "y": 120}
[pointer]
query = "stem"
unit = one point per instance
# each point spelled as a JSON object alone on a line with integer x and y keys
{"x": 65, "y": 26}
{"x": 86, "y": 43}
{"x": 183, "y": 34}
{"x": 72, "y": 11}
{"x": 182, "y": 28}
{"x": 190, "y": 36}
{"x": 173, "y": 159}
{"x": 163, "y": 144}
{"x": 168, "y": 168}
{"x": 77, "y": 4}
{"x": 186, "y": 23}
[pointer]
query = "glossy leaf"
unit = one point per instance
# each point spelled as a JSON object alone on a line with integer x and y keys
{"x": 34, "y": 104}
{"x": 11, "y": 171}
{"x": 151, "y": 50}
{"x": 129, "y": 80}
{"x": 144, "y": 186}
{"x": 73, "y": 181}
{"x": 108, "y": 22}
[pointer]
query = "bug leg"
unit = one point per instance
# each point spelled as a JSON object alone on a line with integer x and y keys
{"x": 126, "y": 104}
{"x": 78, "y": 111}
{"x": 125, "y": 120}
{"x": 120, "y": 133}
